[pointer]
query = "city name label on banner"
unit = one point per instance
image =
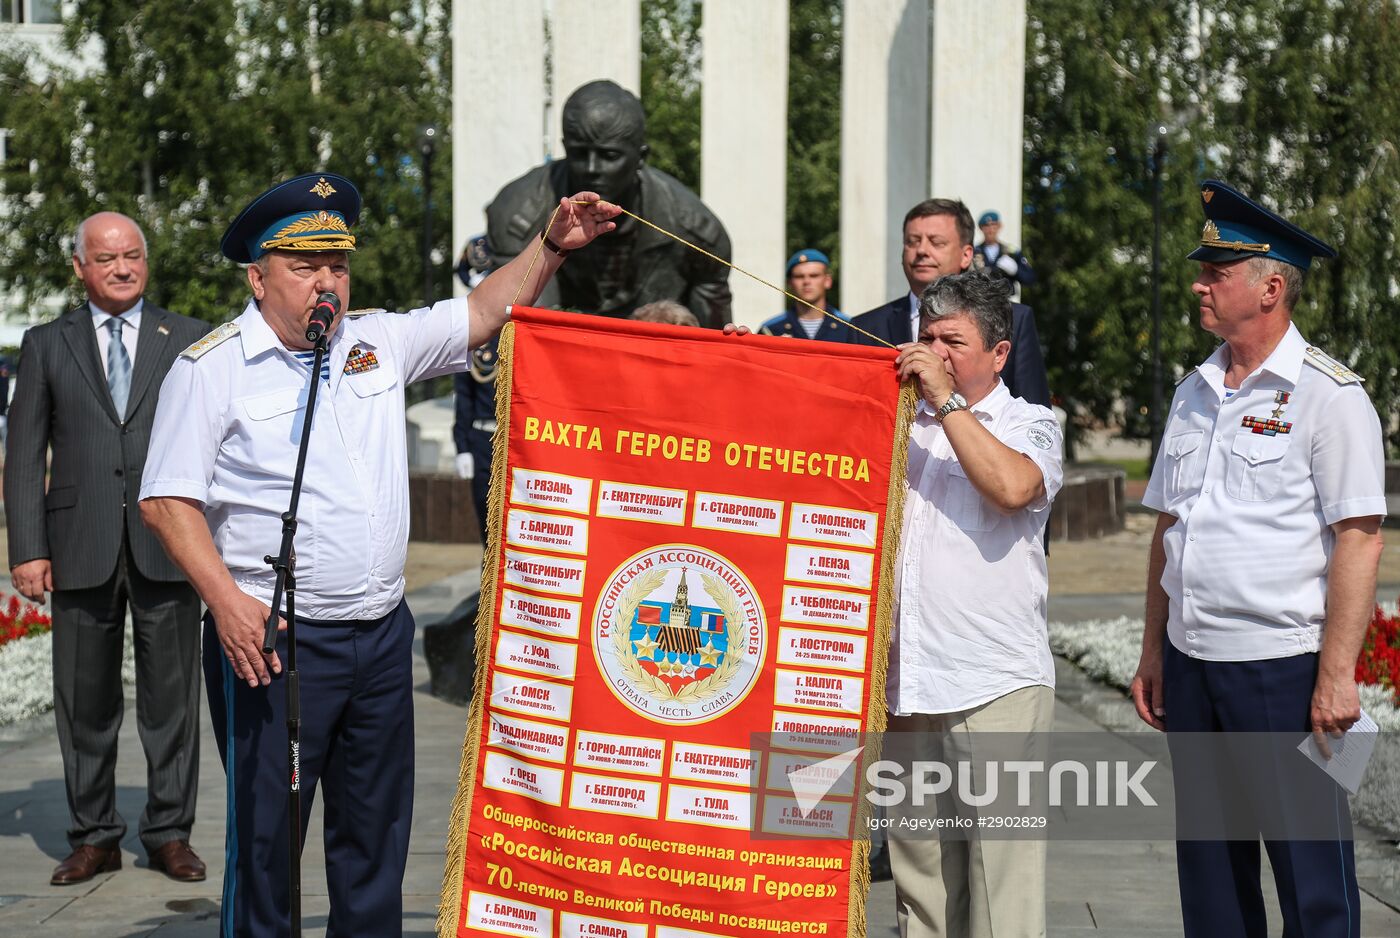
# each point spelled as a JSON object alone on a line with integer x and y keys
{"x": 666, "y": 596}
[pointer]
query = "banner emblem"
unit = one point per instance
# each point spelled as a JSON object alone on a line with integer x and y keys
{"x": 679, "y": 634}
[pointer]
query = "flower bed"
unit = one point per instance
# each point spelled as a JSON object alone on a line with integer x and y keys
{"x": 26, "y": 661}
{"x": 1108, "y": 649}
{"x": 1379, "y": 663}
{"x": 19, "y": 619}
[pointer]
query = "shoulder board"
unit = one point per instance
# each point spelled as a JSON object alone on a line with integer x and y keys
{"x": 1330, "y": 366}
{"x": 365, "y": 312}
{"x": 222, "y": 334}
{"x": 1185, "y": 376}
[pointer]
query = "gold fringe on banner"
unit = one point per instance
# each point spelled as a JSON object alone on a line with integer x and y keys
{"x": 451, "y": 903}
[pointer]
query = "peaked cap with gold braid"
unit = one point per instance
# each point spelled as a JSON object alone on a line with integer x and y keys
{"x": 309, "y": 213}
{"x": 1237, "y": 227}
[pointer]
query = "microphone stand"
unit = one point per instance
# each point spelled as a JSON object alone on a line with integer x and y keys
{"x": 284, "y": 564}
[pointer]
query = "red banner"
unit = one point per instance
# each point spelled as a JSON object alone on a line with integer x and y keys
{"x": 692, "y": 544}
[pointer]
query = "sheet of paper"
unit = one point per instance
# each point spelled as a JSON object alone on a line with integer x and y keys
{"x": 1349, "y": 754}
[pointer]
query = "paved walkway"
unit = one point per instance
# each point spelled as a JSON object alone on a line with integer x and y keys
{"x": 1120, "y": 889}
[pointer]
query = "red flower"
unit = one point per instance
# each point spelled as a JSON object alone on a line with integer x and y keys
{"x": 20, "y": 619}
{"x": 1379, "y": 662}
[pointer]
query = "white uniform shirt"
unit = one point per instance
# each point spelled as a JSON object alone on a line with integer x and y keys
{"x": 1246, "y": 561}
{"x": 226, "y": 434}
{"x": 972, "y": 582}
{"x": 131, "y": 326}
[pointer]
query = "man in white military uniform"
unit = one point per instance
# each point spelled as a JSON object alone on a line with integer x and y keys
{"x": 218, "y": 477}
{"x": 1262, "y": 578}
{"x": 970, "y": 653}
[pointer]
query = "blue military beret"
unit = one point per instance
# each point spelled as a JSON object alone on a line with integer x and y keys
{"x": 807, "y": 256}
{"x": 1238, "y": 227}
{"x": 309, "y": 213}
{"x": 987, "y": 218}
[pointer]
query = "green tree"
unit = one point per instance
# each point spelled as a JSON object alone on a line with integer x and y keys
{"x": 814, "y": 128}
{"x": 1097, "y": 74}
{"x": 670, "y": 95}
{"x": 195, "y": 106}
{"x": 1312, "y": 125}
{"x": 1289, "y": 100}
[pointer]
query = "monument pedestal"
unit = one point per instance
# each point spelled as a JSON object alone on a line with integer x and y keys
{"x": 1091, "y": 503}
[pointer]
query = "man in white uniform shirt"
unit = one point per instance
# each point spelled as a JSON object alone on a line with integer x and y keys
{"x": 1262, "y": 577}
{"x": 970, "y": 653}
{"x": 219, "y": 476}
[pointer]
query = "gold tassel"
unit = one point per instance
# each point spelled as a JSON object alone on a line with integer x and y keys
{"x": 875, "y": 715}
{"x": 449, "y": 910}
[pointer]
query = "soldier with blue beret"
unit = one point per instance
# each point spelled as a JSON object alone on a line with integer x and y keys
{"x": 217, "y": 479}
{"x": 999, "y": 258}
{"x": 1270, "y": 485}
{"x": 809, "y": 279}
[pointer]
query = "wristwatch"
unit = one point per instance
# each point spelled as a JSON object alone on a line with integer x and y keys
{"x": 954, "y": 402}
{"x": 554, "y": 248}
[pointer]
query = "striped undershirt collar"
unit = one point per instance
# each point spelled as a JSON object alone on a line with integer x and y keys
{"x": 308, "y": 358}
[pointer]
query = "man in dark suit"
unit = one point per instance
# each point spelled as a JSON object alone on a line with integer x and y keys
{"x": 87, "y": 389}
{"x": 938, "y": 242}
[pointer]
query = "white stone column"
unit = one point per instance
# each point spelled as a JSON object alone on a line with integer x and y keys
{"x": 743, "y": 147}
{"x": 884, "y": 142}
{"x": 593, "y": 39}
{"x": 498, "y": 99}
{"x": 977, "y": 133}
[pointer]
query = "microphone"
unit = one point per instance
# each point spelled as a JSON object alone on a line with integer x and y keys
{"x": 322, "y": 315}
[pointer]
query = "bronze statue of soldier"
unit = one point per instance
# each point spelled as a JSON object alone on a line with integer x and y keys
{"x": 605, "y": 152}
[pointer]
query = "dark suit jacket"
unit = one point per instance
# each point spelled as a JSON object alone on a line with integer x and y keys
{"x": 889, "y": 322}
{"x": 1024, "y": 372}
{"x": 62, "y": 403}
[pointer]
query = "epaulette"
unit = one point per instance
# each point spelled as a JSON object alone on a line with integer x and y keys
{"x": 225, "y": 332}
{"x": 1331, "y": 367}
{"x": 365, "y": 312}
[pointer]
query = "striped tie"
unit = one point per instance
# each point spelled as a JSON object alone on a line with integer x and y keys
{"x": 118, "y": 367}
{"x": 308, "y": 358}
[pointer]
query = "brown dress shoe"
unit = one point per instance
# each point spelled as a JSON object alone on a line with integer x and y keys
{"x": 178, "y": 861}
{"x": 85, "y": 863}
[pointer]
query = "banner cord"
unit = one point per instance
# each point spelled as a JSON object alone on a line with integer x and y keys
{"x": 539, "y": 246}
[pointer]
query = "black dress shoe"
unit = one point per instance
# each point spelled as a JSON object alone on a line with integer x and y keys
{"x": 85, "y": 863}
